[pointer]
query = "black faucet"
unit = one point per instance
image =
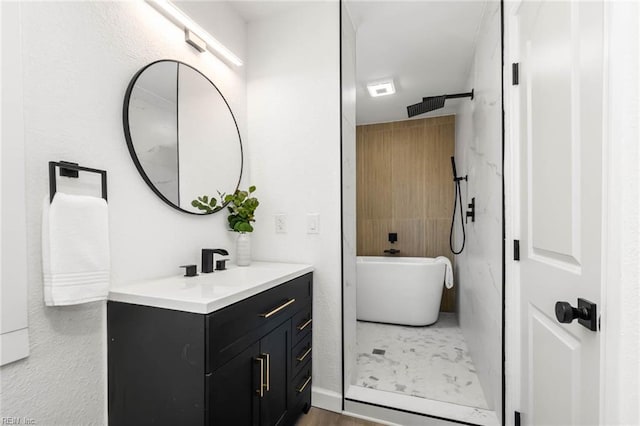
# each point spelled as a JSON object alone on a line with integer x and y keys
{"x": 207, "y": 258}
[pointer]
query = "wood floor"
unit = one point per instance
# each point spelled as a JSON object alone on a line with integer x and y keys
{"x": 318, "y": 417}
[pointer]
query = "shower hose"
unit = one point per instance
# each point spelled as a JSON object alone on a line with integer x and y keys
{"x": 456, "y": 197}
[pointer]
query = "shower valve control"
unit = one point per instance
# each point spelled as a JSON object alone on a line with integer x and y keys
{"x": 472, "y": 212}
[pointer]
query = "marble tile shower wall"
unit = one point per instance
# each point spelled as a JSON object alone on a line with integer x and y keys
{"x": 478, "y": 269}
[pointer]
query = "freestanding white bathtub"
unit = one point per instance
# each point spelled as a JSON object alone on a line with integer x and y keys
{"x": 399, "y": 290}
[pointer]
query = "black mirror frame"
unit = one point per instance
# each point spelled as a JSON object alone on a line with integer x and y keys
{"x": 132, "y": 152}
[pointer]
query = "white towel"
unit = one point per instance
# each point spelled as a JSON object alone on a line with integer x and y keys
{"x": 448, "y": 271}
{"x": 75, "y": 249}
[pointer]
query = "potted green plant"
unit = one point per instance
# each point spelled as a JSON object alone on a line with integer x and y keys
{"x": 241, "y": 206}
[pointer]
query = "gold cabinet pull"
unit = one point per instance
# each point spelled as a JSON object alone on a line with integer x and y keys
{"x": 278, "y": 309}
{"x": 268, "y": 369}
{"x": 305, "y": 325}
{"x": 304, "y": 385}
{"x": 304, "y": 355}
{"x": 260, "y": 391}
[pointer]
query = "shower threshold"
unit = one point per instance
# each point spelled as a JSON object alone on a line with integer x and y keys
{"x": 406, "y": 409}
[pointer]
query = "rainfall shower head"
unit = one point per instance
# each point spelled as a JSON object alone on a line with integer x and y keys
{"x": 432, "y": 103}
{"x": 428, "y": 104}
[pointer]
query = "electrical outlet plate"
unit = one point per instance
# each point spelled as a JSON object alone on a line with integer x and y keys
{"x": 313, "y": 223}
{"x": 281, "y": 223}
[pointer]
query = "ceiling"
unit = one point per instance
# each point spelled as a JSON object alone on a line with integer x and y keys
{"x": 427, "y": 47}
{"x": 255, "y": 10}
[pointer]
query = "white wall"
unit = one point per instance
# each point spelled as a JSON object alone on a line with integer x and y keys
{"x": 349, "y": 242}
{"x": 479, "y": 154}
{"x": 620, "y": 343}
{"x": 293, "y": 86}
{"x": 78, "y": 59}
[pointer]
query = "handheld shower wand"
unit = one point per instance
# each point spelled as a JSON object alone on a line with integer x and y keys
{"x": 456, "y": 197}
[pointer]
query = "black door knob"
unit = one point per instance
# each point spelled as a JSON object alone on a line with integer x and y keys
{"x": 585, "y": 313}
{"x": 565, "y": 313}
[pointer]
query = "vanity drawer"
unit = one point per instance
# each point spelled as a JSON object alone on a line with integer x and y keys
{"x": 301, "y": 324}
{"x": 300, "y": 355}
{"x": 231, "y": 329}
{"x": 300, "y": 392}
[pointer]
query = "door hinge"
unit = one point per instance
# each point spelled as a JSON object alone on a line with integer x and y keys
{"x": 516, "y": 249}
{"x": 515, "y": 73}
{"x": 516, "y": 418}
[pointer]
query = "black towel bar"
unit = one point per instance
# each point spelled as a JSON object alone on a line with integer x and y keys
{"x": 71, "y": 170}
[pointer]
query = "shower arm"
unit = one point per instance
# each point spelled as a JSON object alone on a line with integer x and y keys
{"x": 458, "y": 95}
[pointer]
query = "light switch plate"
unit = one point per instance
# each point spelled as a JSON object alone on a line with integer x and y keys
{"x": 313, "y": 223}
{"x": 281, "y": 223}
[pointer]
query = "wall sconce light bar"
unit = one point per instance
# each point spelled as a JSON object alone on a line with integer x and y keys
{"x": 195, "y": 41}
{"x": 195, "y": 35}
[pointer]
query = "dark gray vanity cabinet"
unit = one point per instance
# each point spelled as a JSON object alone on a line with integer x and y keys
{"x": 267, "y": 361}
{"x": 246, "y": 364}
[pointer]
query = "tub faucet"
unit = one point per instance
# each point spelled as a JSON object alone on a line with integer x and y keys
{"x": 207, "y": 258}
{"x": 390, "y": 251}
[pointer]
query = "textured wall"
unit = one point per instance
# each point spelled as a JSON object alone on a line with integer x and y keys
{"x": 478, "y": 269}
{"x": 78, "y": 59}
{"x": 404, "y": 186}
{"x": 293, "y": 85}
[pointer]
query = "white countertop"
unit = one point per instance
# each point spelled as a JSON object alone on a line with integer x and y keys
{"x": 207, "y": 293}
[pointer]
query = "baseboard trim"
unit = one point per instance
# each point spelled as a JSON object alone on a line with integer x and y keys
{"x": 326, "y": 399}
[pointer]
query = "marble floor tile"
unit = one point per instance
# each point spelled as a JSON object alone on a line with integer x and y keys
{"x": 428, "y": 362}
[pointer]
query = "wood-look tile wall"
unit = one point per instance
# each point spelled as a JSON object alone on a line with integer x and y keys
{"x": 404, "y": 185}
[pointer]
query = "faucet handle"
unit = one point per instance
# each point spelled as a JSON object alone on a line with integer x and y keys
{"x": 190, "y": 270}
{"x": 221, "y": 264}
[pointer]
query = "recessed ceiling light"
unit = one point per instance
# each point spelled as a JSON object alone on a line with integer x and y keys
{"x": 381, "y": 88}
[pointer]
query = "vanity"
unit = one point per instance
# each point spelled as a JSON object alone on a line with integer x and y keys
{"x": 228, "y": 348}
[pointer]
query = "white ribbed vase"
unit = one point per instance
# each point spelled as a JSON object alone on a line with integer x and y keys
{"x": 243, "y": 249}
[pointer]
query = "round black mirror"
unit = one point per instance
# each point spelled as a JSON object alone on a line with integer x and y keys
{"x": 182, "y": 135}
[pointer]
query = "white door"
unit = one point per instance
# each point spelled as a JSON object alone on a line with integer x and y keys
{"x": 561, "y": 51}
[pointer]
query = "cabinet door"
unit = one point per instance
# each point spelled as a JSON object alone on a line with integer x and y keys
{"x": 275, "y": 347}
{"x": 234, "y": 397}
